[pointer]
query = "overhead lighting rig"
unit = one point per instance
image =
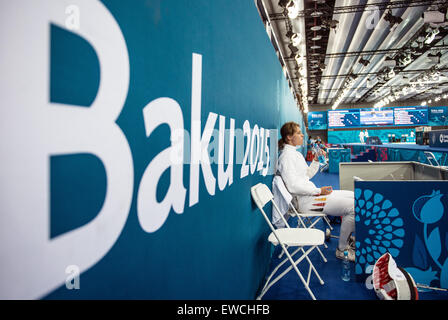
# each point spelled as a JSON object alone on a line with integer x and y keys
{"x": 435, "y": 98}
{"x": 417, "y": 85}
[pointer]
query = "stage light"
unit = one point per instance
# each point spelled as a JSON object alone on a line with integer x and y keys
{"x": 405, "y": 59}
{"x": 296, "y": 38}
{"x": 299, "y": 59}
{"x": 293, "y": 9}
{"x": 431, "y": 35}
{"x": 392, "y": 19}
{"x": 293, "y": 49}
{"x": 364, "y": 62}
{"x": 391, "y": 73}
{"x": 283, "y": 3}
{"x": 333, "y": 23}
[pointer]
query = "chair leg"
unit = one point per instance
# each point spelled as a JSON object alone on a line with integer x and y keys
{"x": 264, "y": 290}
{"x": 312, "y": 266}
{"x": 314, "y": 222}
{"x": 269, "y": 284}
{"x": 328, "y": 222}
{"x": 294, "y": 264}
{"x": 321, "y": 254}
{"x": 282, "y": 253}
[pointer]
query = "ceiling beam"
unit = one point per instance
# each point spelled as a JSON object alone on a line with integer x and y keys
{"x": 335, "y": 76}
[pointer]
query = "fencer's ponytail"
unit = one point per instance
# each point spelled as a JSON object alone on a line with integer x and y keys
{"x": 281, "y": 144}
{"x": 288, "y": 129}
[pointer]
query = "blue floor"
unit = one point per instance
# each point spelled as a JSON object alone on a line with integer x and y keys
{"x": 291, "y": 288}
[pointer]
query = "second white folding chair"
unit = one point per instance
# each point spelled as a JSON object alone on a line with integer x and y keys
{"x": 288, "y": 237}
{"x": 312, "y": 218}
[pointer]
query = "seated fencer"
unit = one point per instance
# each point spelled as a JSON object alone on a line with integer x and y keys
{"x": 296, "y": 175}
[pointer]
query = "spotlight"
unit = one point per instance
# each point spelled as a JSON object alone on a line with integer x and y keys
{"x": 299, "y": 59}
{"x": 435, "y": 76}
{"x": 283, "y": 3}
{"x": 333, "y": 24}
{"x": 392, "y": 19}
{"x": 293, "y": 49}
{"x": 296, "y": 39}
{"x": 391, "y": 73}
{"x": 430, "y": 36}
{"x": 405, "y": 59}
{"x": 293, "y": 9}
{"x": 364, "y": 62}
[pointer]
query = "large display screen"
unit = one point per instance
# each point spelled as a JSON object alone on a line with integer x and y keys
{"x": 411, "y": 116}
{"x": 372, "y": 117}
{"x": 343, "y": 118}
{"x": 438, "y": 116}
{"x": 317, "y": 120}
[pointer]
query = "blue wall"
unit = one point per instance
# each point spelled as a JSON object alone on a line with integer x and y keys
{"x": 211, "y": 247}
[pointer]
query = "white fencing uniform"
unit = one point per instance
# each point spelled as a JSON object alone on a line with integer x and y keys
{"x": 296, "y": 175}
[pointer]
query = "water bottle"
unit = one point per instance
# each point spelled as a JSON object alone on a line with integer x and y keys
{"x": 346, "y": 267}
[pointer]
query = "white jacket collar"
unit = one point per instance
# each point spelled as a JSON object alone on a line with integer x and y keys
{"x": 289, "y": 147}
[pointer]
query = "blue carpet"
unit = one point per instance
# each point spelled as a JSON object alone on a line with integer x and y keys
{"x": 291, "y": 288}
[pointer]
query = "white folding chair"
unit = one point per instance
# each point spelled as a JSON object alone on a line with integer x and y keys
{"x": 291, "y": 237}
{"x": 311, "y": 217}
{"x": 280, "y": 189}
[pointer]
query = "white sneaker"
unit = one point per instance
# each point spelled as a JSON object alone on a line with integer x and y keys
{"x": 351, "y": 254}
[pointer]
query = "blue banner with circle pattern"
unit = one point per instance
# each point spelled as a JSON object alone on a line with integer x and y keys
{"x": 408, "y": 219}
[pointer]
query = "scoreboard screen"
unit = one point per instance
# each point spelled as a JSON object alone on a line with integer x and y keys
{"x": 372, "y": 117}
{"x": 411, "y": 116}
{"x": 343, "y": 118}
